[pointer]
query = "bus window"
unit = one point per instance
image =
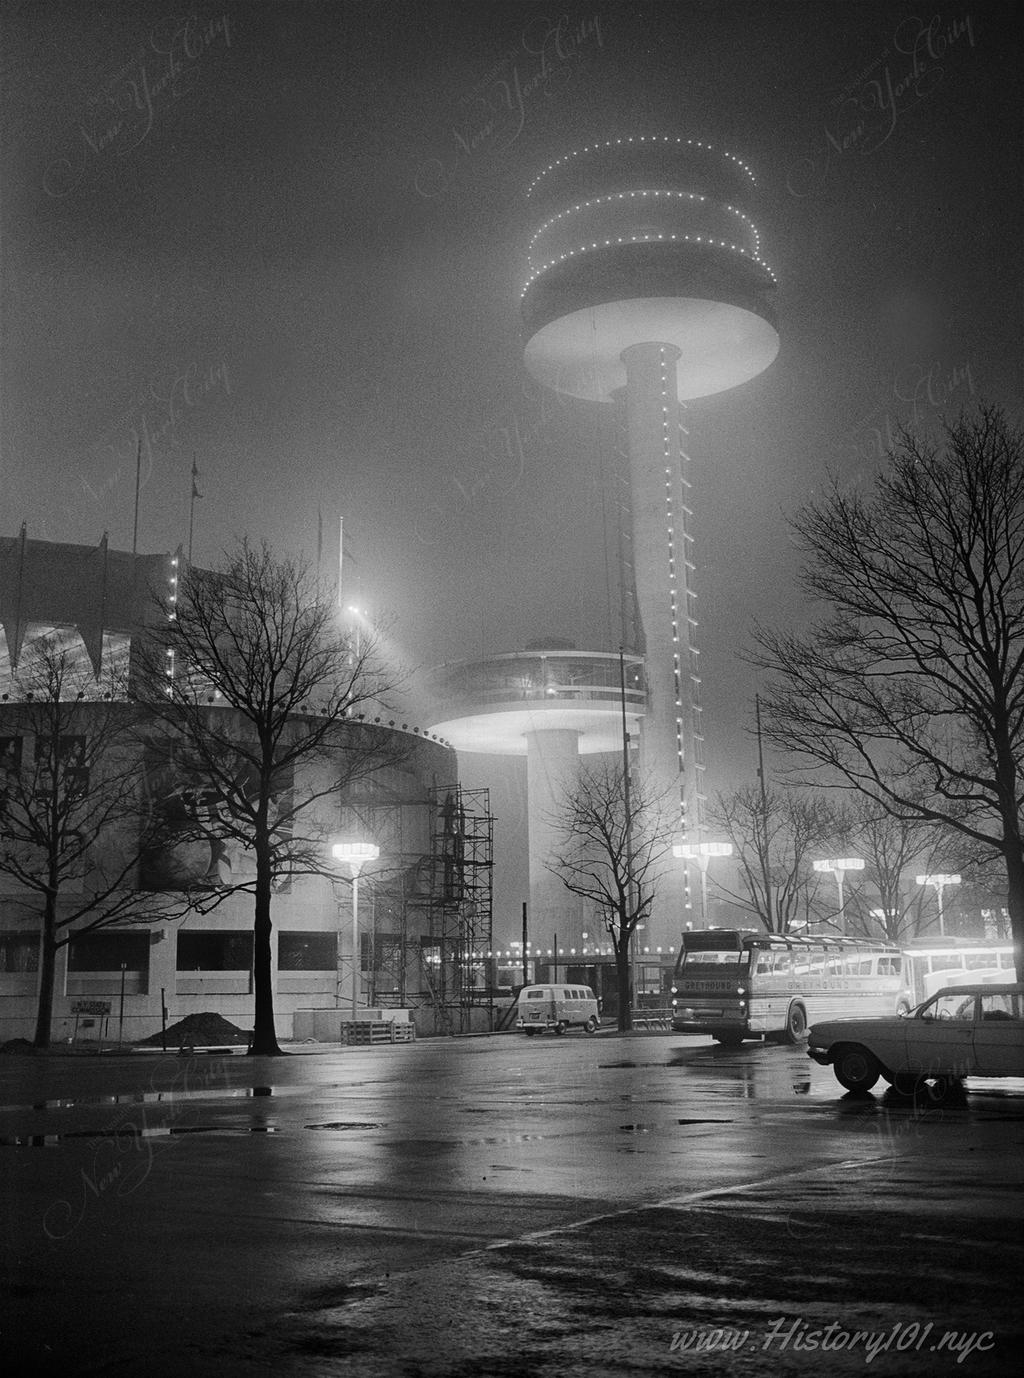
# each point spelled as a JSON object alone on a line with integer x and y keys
{"x": 946, "y": 961}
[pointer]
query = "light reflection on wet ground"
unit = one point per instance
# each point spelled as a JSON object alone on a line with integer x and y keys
{"x": 491, "y": 1208}
{"x": 529, "y": 1083}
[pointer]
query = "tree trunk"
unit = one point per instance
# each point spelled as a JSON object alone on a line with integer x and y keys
{"x": 622, "y": 974}
{"x": 1015, "y": 907}
{"x": 264, "y": 1034}
{"x": 1013, "y": 844}
{"x": 47, "y": 969}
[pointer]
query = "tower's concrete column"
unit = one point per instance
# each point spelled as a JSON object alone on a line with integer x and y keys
{"x": 552, "y": 766}
{"x": 652, "y": 412}
{"x": 652, "y": 416}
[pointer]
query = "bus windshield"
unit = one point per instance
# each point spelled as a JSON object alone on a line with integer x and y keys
{"x": 713, "y": 957}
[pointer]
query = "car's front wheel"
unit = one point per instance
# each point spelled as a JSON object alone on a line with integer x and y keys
{"x": 559, "y": 1028}
{"x": 591, "y": 1025}
{"x": 856, "y": 1068}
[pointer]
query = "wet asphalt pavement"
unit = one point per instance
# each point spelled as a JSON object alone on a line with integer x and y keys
{"x": 501, "y": 1206}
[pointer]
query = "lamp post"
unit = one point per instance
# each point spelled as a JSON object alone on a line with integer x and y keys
{"x": 701, "y": 853}
{"x": 839, "y": 866}
{"x": 938, "y": 884}
{"x": 355, "y": 854}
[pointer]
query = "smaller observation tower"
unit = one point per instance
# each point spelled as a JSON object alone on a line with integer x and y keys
{"x": 550, "y": 703}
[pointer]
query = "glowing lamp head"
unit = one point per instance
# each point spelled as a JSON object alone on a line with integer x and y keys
{"x": 355, "y": 854}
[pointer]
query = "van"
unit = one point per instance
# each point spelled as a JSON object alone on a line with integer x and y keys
{"x": 558, "y": 1008}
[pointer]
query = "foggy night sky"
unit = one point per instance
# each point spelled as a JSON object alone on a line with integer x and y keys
{"x": 289, "y": 239}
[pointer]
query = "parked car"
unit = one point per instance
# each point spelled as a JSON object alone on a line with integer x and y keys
{"x": 971, "y": 1030}
{"x": 558, "y": 1008}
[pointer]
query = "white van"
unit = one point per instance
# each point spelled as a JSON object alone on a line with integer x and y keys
{"x": 558, "y": 1008}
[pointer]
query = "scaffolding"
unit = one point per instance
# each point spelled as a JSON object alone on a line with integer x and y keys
{"x": 459, "y": 907}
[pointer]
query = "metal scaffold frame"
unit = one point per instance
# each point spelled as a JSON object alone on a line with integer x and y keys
{"x": 460, "y": 906}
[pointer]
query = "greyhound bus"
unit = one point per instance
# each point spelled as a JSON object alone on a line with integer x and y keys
{"x": 735, "y": 984}
{"x": 931, "y": 963}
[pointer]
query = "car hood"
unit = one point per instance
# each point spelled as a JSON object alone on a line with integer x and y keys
{"x": 834, "y": 1030}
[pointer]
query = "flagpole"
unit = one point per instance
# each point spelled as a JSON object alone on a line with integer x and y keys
{"x": 341, "y": 551}
{"x": 192, "y": 507}
{"x": 138, "y": 480}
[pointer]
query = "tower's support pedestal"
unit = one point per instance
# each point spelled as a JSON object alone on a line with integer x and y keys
{"x": 552, "y": 766}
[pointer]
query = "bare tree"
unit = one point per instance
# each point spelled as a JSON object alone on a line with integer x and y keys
{"x": 775, "y": 835}
{"x": 910, "y": 689}
{"x": 257, "y": 688}
{"x": 610, "y": 853}
{"x": 71, "y": 815}
{"x": 893, "y": 849}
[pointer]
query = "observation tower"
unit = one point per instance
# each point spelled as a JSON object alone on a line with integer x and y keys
{"x": 551, "y": 704}
{"x": 646, "y": 287}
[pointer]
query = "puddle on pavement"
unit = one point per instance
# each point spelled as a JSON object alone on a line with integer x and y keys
{"x": 340, "y": 1125}
{"x": 165, "y": 1132}
{"x": 174, "y": 1096}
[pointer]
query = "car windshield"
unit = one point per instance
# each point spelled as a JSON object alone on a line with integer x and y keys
{"x": 949, "y": 1005}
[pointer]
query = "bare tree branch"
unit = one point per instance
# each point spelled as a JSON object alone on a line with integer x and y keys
{"x": 910, "y": 689}
{"x": 72, "y": 824}
{"x": 262, "y": 697}
{"x": 612, "y": 856}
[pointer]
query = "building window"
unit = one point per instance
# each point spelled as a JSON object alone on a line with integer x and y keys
{"x": 95, "y": 961}
{"x": 10, "y": 755}
{"x": 72, "y": 774}
{"x": 214, "y": 951}
{"x": 19, "y": 953}
{"x": 109, "y": 951}
{"x": 307, "y": 951}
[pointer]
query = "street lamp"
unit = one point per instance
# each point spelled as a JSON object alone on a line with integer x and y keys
{"x": 938, "y": 884}
{"x": 839, "y": 867}
{"x": 701, "y": 853}
{"x": 355, "y": 854}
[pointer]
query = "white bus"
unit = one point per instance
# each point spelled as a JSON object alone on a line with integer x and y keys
{"x": 734, "y": 984}
{"x": 931, "y": 963}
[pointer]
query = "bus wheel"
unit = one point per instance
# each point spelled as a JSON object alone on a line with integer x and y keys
{"x": 856, "y": 1068}
{"x": 591, "y": 1025}
{"x": 796, "y": 1024}
{"x": 559, "y": 1028}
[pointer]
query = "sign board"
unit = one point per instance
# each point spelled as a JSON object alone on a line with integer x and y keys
{"x": 91, "y": 1007}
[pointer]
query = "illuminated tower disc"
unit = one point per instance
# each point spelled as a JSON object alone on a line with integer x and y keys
{"x": 646, "y": 280}
{"x": 552, "y": 704}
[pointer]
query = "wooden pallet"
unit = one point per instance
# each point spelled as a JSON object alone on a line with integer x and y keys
{"x": 369, "y": 1031}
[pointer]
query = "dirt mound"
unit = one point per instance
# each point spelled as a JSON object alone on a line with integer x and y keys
{"x": 200, "y": 1031}
{"x": 17, "y": 1045}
